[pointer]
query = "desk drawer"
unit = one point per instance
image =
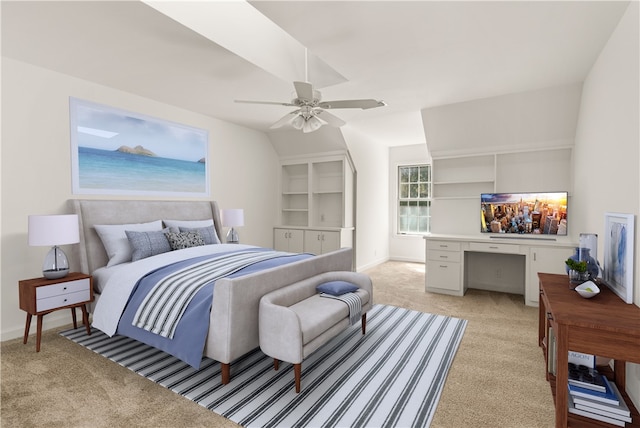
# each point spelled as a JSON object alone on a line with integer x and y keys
{"x": 443, "y": 245}
{"x": 444, "y": 275}
{"x": 445, "y": 256}
{"x": 491, "y": 247}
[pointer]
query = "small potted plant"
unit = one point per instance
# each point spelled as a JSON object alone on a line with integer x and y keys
{"x": 577, "y": 271}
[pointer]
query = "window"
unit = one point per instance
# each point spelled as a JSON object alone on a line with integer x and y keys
{"x": 414, "y": 199}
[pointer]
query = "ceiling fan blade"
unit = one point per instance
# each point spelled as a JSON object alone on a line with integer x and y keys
{"x": 329, "y": 118}
{"x": 285, "y": 119}
{"x": 304, "y": 90}
{"x": 363, "y": 104}
{"x": 265, "y": 102}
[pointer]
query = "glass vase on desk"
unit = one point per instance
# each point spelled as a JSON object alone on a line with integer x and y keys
{"x": 576, "y": 278}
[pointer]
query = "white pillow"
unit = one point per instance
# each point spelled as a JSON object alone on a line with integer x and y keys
{"x": 115, "y": 240}
{"x": 191, "y": 224}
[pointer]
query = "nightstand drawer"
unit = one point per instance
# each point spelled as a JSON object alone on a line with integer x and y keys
{"x": 63, "y": 288}
{"x": 62, "y": 300}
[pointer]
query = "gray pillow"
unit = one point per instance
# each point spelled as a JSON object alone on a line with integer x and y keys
{"x": 182, "y": 240}
{"x": 208, "y": 234}
{"x": 147, "y": 244}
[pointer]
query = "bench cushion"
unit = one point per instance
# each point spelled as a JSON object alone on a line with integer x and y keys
{"x": 318, "y": 314}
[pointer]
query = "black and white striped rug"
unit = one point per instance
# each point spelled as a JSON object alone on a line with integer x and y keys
{"x": 391, "y": 377}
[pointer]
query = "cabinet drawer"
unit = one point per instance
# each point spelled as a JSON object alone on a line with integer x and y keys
{"x": 444, "y": 275}
{"x": 490, "y": 247}
{"x": 63, "y": 288}
{"x": 443, "y": 245}
{"x": 44, "y": 304}
{"x": 444, "y": 256}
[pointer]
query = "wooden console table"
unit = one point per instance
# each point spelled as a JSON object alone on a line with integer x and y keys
{"x": 603, "y": 325}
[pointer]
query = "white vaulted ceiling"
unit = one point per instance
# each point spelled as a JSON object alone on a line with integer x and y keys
{"x": 414, "y": 55}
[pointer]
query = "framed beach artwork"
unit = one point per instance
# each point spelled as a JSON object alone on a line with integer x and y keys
{"x": 117, "y": 152}
{"x": 618, "y": 254}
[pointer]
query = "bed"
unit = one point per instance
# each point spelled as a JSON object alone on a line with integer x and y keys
{"x": 231, "y": 325}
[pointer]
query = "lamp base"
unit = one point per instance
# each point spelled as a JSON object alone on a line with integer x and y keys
{"x": 56, "y": 264}
{"x": 55, "y": 274}
{"x": 232, "y": 237}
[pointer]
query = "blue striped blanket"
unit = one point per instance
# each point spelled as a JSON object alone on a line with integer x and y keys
{"x": 165, "y": 304}
{"x": 353, "y": 302}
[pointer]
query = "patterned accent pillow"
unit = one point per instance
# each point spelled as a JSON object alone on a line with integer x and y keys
{"x": 208, "y": 234}
{"x": 182, "y": 240}
{"x": 147, "y": 244}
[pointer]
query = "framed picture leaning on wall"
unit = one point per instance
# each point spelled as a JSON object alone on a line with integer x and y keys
{"x": 618, "y": 254}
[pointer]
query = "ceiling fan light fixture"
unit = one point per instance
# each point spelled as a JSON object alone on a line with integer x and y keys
{"x": 298, "y": 122}
{"x": 312, "y": 124}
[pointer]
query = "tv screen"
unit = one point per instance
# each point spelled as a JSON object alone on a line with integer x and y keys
{"x": 524, "y": 213}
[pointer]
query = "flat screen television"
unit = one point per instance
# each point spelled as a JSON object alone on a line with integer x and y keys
{"x": 543, "y": 213}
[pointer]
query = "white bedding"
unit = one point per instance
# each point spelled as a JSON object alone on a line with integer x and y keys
{"x": 116, "y": 283}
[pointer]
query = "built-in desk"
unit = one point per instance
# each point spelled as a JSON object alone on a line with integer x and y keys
{"x": 456, "y": 263}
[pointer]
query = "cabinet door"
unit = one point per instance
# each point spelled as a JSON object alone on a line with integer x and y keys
{"x": 296, "y": 241}
{"x": 313, "y": 241}
{"x": 547, "y": 260}
{"x": 330, "y": 241}
{"x": 281, "y": 239}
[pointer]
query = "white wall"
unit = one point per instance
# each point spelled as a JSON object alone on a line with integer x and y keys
{"x": 372, "y": 211}
{"x": 36, "y": 176}
{"x": 404, "y": 247}
{"x": 607, "y": 152}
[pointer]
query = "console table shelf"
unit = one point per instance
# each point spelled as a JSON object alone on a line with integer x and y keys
{"x": 603, "y": 326}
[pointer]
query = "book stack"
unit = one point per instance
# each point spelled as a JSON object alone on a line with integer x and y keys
{"x": 594, "y": 396}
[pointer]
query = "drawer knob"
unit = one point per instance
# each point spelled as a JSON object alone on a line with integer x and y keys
{"x": 443, "y": 266}
{"x": 444, "y": 257}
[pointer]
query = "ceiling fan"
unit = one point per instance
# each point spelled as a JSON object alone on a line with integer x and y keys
{"x": 311, "y": 111}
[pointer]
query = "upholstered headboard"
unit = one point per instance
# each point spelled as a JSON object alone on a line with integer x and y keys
{"x": 91, "y": 252}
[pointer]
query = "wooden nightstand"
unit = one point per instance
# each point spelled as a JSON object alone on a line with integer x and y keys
{"x": 40, "y": 296}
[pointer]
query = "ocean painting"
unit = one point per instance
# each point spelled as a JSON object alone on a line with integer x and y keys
{"x": 119, "y": 152}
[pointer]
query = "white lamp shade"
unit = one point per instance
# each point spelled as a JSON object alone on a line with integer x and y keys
{"x": 49, "y": 230}
{"x": 233, "y": 217}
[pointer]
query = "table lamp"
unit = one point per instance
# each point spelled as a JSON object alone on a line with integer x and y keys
{"x": 232, "y": 218}
{"x": 54, "y": 230}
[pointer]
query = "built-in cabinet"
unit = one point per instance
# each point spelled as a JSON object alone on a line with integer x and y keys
{"x": 291, "y": 240}
{"x": 458, "y": 182}
{"x": 450, "y": 269}
{"x": 316, "y": 206}
{"x": 535, "y": 170}
{"x": 545, "y": 259}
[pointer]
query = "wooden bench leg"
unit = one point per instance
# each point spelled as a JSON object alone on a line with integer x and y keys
{"x": 297, "y": 370}
{"x": 225, "y": 369}
{"x": 364, "y": 323}
{"x": 276, "y": 364}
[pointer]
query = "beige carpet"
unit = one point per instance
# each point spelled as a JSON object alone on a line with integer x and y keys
{"x": 497, "y": 378}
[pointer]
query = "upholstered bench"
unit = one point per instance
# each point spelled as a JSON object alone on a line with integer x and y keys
{"x": 295, "y": 320}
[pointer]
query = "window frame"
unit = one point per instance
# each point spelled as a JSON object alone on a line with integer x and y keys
{"x": 417, "y": 200}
